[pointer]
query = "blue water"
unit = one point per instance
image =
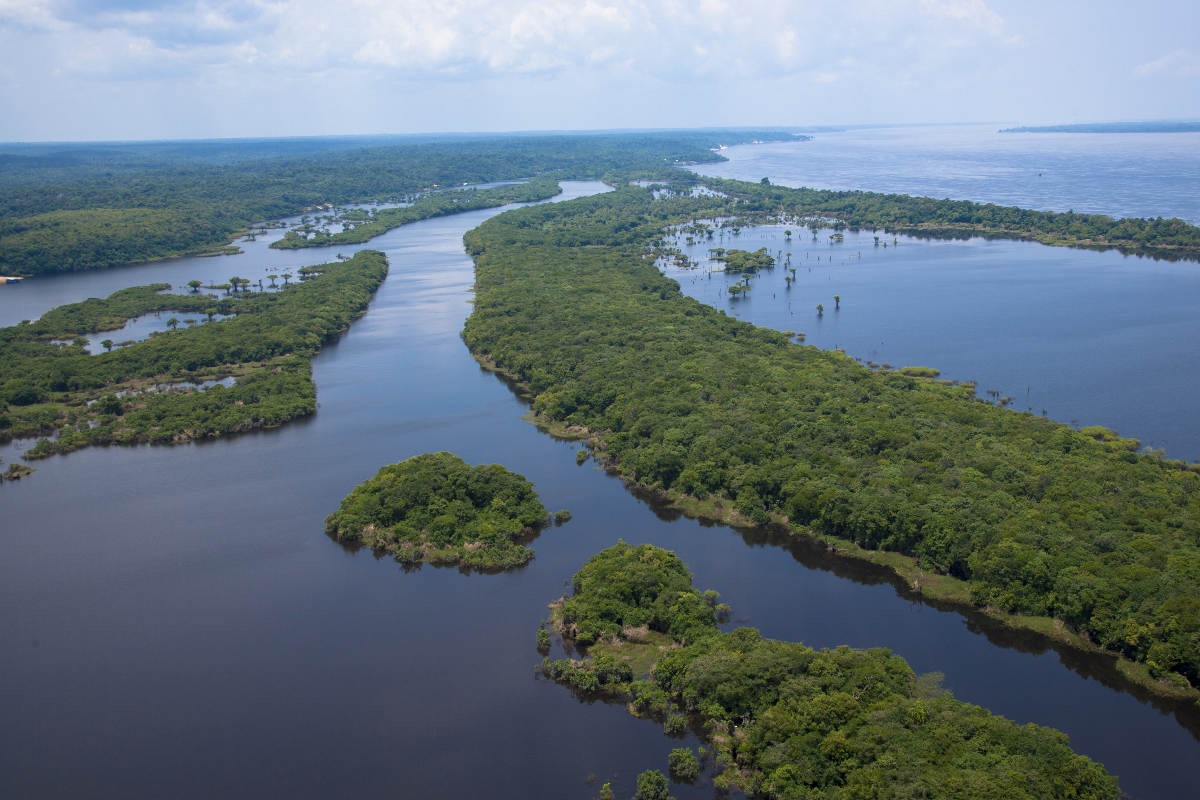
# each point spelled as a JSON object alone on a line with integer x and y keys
{"x": 1085, "y": 338}
{"x": 1120, "y": 174}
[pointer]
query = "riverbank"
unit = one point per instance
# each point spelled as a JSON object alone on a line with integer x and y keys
{"x": 918, "y": 582}
{"x": 987, "y": 504}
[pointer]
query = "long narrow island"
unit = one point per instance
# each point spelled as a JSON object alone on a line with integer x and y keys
{"x": 1071, "y": 533}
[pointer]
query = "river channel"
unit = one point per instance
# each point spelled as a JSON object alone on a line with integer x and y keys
{"x": 175, "y": 623}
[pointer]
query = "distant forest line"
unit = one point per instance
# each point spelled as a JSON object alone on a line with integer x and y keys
{"x": 69, "y": 208}
{"x": 1163, "y": 126}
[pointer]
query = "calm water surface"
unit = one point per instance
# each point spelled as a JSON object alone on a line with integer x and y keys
{"x": 1120, "y": 174}
{"x": 175, "y": 623}
{"x": 1086, "y": 338}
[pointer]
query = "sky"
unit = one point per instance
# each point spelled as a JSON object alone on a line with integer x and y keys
{"x": 138, "y": 69}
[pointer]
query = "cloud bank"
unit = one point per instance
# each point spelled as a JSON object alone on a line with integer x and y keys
{"x": 313, "y": 66}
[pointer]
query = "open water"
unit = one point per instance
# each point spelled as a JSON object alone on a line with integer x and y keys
{"x": 174, "y": 622}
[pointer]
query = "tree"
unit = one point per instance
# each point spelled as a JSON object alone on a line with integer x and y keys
{"x": 235, "y": 281}
{"x": 683, "y": 764}
{"x": 172, "y": 323}
{"x": 107, "y": 344}
{"x": 272, "y": 279}
{"x": 652, "y": 784}
{"x": 820, "y": 310}
{"x": 837, "y": 302}
{"x": 287, "y": 276}
{"x": 195, "y": 284}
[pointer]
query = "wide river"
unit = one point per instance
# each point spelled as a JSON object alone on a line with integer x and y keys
{"x": 174, "y": 622}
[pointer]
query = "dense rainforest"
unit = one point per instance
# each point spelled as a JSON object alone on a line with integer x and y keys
{"x": 787, "y": 721}
{"x": 150, "y": 391}
{"x": 435, "y": 508}
{"x": 67, "y": 208}
{"x": 1016, "y": 513}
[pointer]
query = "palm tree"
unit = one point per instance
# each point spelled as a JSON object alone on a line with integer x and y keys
{"x": 820, "y": 310}
{"x": 837, "y": 302}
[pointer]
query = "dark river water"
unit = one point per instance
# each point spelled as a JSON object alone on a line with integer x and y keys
{"x": 175, "y": 623}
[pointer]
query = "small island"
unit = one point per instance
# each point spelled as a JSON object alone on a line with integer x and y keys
{"x": 785, "y": 720}
{"x": 435, "y": 508}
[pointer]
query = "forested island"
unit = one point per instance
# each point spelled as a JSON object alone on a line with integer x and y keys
{"x": 435, "y": 508}
{"x": 52, "y": 387}
{"x": 787, "y": 721}
{"x": 1072, "y": 533}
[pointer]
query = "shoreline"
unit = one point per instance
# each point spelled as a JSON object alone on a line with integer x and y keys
{"x": 908, "y": 577}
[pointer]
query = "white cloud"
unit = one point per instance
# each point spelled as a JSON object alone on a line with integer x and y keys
{"x": 970, "y": 13}
{"x": 664, "y": 38}
{"x": 1179, "y": 63}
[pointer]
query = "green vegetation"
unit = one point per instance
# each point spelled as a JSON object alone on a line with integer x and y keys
{"x": 744, "y": 262}
{"x": 436, "y": 508}
{"x": 683, "y": 764}
{"x": 652, "y": 785}
{"x": 148, "y": 391}
{"x": 919, "y": 372}
{"x": 631, "y": 588}
{"x": 787, "y": 721}
{"x": 438, "y": 204}
{"x": 924, "y": 216}
{"x": 969, "y": 502}
{"x": 15, "y": 472}
{"x": 71, "y": 207}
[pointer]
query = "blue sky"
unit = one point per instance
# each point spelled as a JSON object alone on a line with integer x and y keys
{"x": 135, "y": 69}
